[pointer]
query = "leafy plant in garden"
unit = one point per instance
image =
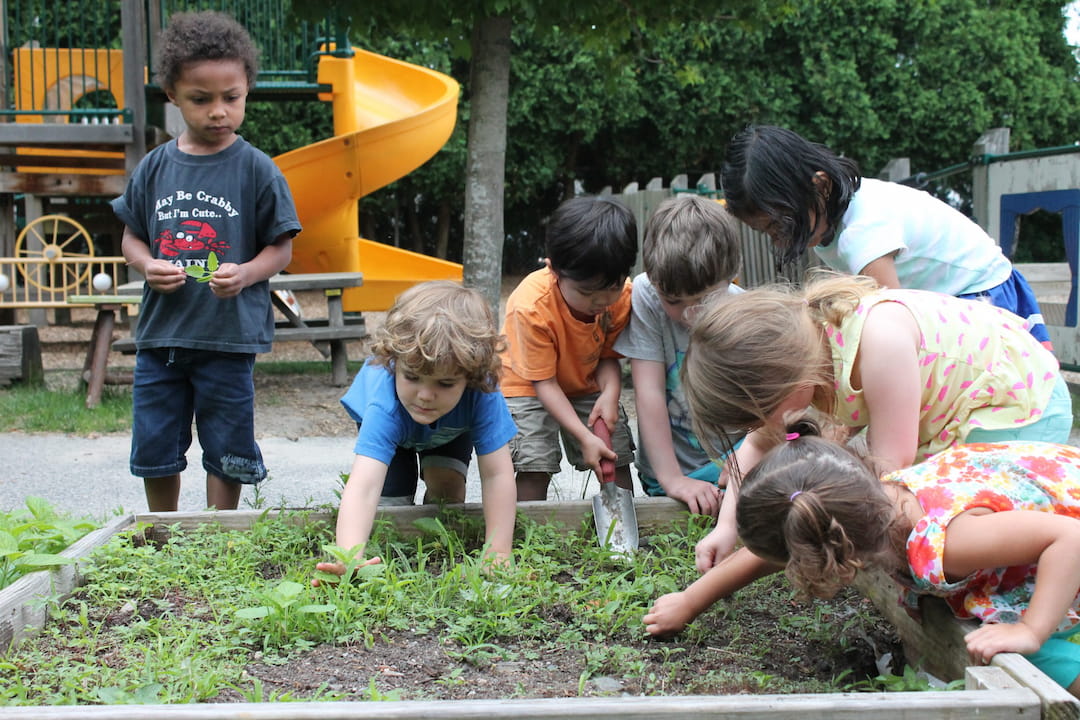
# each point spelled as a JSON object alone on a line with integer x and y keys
{"x": 32, "y": 539}
{"x": 207, "y": 614}
{"x": 283, "y": 613}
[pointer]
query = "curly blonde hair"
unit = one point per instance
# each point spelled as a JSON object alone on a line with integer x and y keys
{"x": 817, "y": 508}
{"x": 750, "y": 352}
{"x": 440, "y": 327}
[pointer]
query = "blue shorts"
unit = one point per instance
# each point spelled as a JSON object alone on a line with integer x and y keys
{"x": 217, "y": 390}
{"x": 1016, "y": 296}
{"x": 402, "y": 475}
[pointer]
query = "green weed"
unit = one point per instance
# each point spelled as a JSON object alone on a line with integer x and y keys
{"x": 32, "y": 539}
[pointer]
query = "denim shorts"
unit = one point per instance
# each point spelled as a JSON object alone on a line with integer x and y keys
{"x": 172, "y": 387}
{"x": 535, "y": 448}
{"x": 402, "y": 475}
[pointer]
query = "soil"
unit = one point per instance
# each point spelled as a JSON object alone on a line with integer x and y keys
{"x": 747, "y": 650}
{"x": 751, "y": 652}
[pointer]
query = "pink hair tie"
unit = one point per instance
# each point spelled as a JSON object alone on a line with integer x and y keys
{"x": 794, "y": 495}
{"x": 791, "y": 436}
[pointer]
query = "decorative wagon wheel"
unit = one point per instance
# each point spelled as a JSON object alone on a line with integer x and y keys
{"x": 54, "y": 237}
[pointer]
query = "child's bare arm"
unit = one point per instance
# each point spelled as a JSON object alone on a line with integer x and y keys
{"x": 654, "y": 425}
{"x": 609, "y": 378}
{"x": 161, "y": 275}
{"x": 359, "y": 501}
{"x": 889, "y": 373}
{"x": 554, "y": 400}
{"x": 499, "y": 495}
{"x": 883, "y": 269}
{"x": 671, "y": 613}
{"x": 231, "y": 278}
{"x": 981, "y": 539}
{"x": 718, "y": 544}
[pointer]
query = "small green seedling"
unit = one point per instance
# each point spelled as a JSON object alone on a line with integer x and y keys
{"x": 203, "y": 274}
{"x": 353, "y": 561}
{"x": 283, "y": 614}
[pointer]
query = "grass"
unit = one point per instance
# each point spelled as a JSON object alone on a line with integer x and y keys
{"x": 196, "y": 616}
{"x": 60, "y": 407}
{"x": 64, "y": 410}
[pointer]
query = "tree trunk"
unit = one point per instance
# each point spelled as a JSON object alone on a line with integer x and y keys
{"x": 485, "y": 167}
{"x": 442, "y": 231}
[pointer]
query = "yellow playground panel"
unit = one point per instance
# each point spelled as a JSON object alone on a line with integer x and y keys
{"x": 390, "y": 117}
{"x": 56, "y": 79}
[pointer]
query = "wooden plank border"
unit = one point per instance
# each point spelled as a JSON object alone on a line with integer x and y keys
{"x": 21, "y": 609}
{"x": 984, "y": 704}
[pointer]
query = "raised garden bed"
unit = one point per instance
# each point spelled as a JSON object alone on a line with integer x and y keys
{"x": 1011, "y": 689}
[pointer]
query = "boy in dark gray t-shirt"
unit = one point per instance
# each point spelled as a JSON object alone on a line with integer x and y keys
{"x": 208, "y": 220}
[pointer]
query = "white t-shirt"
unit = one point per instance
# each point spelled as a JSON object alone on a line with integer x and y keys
{"x": 937, "y": 247}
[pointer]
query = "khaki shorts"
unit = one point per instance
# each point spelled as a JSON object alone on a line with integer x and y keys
{"x": 535, "y": 448}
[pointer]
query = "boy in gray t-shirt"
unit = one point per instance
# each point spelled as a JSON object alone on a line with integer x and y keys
{"x": 691, "y": 253}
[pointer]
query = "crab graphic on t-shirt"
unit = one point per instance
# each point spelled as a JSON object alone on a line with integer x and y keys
{"x": 192, "y": 235}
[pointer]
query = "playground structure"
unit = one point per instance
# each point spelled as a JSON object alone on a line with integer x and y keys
{"x": 77, "y": 124}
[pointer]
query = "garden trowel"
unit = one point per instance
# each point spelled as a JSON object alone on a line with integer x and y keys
{"x": 613, "y": 508}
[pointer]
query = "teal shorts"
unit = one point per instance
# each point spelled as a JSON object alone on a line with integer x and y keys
{"x": 1059, "y": 657}
{"x": 710, "y": 473}
{"x": 1054, "y": 426}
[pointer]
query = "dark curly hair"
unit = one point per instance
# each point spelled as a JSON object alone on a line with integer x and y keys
{"x": 208, "y": 35}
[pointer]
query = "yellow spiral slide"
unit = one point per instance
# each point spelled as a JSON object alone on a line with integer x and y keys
{"x": 390, "y": 118}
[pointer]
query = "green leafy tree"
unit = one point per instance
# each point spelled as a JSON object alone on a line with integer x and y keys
{"x": 606, "y": 94}
{"x": 483, "y": 31}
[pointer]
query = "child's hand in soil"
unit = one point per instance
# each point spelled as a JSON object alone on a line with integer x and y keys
{"x": 337, "y": 568}
{"x": 669, "y": 615}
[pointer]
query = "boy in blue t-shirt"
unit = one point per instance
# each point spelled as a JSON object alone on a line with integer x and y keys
{"x": 211, "y": 204}
{"x": 430, "y": 392}
{"x": 691, "y": 253}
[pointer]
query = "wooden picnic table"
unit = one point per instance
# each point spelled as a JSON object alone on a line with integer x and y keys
{"x": 95, "y": 367}
{"x": 328, "y": 334}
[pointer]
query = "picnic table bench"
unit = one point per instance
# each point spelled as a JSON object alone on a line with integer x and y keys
{"x": 328, "y": 334}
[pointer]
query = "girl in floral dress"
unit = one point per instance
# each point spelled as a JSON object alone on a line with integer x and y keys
{"x": 990, "y": 527}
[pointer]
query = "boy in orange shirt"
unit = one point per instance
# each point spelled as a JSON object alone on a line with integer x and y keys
{"x": 560, "y": 371}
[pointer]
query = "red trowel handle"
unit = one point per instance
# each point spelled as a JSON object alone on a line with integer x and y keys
{"x": 607, "y": 467}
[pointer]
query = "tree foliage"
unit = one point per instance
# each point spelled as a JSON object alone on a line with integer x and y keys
{"x": 607, "y": 93}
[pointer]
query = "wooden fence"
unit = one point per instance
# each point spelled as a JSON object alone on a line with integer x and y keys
{"x": 759, "y": 263}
